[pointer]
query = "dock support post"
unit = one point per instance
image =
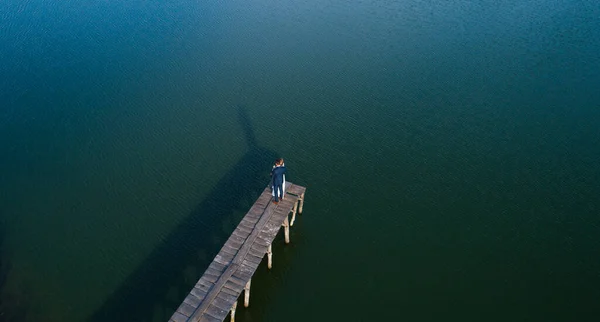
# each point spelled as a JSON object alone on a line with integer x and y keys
{"x": 247, "y": 294}
{"x": 286, "y": 229}
{"x": 294, "y": 210}
{"x": 301, "y": 203}
{"x": 233, "y": 311}
{"x": 269, "y": 257}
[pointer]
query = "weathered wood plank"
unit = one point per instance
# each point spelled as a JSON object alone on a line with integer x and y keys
{"x": 227, "y": 296}
{"x": 192, "y": 300}
{"x": 213, "y": 271}
{"x": 294, "y": 189}
{"x": 225, "y": 257}
{"x": 277, "y": 218}
{"x": 186, "y": 309}
{"x": 229, "y": 250}
{"x": 256, "y": 212}
{"x": 217, "y": 266}
{"x": 240, "y": 234}
{"x": 199, "y": 293}
{"x": 216, "y": 312}
{"x": 267, "y": 236}
{"x": 272, "y": 224}
{"x": 285, "y": 206}
{"x": 250, "y": 222}
{"x": 211, "y": 278}
{"x": 245, "y": 230}
{"x": 250, "y": 264}
{"x": 245, "y": 269}
{"x": 237, "y": 239}
{"x": 252, "y": 258}
{"x": 233, "y": 244}
{"x": 256, "y": 253}
{"x": 204, "y": 285}
{"x": 246, "y": 225}
{"x": 262, "y": 242}
{"x": 259, "y": 248}
{"x": 290, "y": 198}
{"x": 263, "y": 200}
{"x": 178, "y": 317}
{"x": 222, "y": 304}
{"x": 262, "y": 203}
{"x": 233, "y": 286}
{"x": 244, "y": 275}
{"x": 236, "y": 280}
{"x": 225, "y": 289}
{"x": 219, "y": 259}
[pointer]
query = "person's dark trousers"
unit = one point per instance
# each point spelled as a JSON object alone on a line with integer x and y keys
{"x": 278, "y": 189}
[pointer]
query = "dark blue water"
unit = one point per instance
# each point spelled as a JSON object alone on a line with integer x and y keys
{"x": 450, "y": 150}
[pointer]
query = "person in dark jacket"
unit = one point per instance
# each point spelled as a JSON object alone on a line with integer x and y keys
{"x": 278, "y": 180}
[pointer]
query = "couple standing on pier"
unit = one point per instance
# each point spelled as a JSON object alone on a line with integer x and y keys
{"x": 278, "y": 180}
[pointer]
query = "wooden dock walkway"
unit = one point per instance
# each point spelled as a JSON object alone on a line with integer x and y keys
{"x": 217, "y": 292}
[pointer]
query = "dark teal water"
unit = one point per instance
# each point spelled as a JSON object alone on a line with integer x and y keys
{"x": 450, "y": 150}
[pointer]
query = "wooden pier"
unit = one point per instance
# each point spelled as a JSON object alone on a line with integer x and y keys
{"x": 216, "y": 293}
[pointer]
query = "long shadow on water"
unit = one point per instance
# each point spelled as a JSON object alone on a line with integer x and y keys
{"x": 143, "y": 295}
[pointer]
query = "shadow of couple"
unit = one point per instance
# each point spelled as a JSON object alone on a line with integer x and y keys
{"x": 150, "y": 286}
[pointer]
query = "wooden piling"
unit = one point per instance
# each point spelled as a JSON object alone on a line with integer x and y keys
{"x": 286, "y": 229}
{"x": 233, "y": 311}
{"x": 247, "y": 294}
{"x": 294, "y": 210}
{"x": 301, "y": 202}
{"x": 269, "y": 257}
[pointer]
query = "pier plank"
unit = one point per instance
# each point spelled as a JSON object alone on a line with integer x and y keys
{"x": 186, "y": 309}
{"x": 227, "y": 296}
{"x": 192, "y": 300}
{"x": 217, "y": 266}
{"x": 229, "y": 291}
{"x": 178, "y": 317}
{"x": 245, "y": 275}
{"x": 217, "y": 312}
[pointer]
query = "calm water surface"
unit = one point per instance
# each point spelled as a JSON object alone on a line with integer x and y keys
{"x": 450, "y": 150}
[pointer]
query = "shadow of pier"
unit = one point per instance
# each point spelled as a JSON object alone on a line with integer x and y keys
{"x": 146, "y": 295}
